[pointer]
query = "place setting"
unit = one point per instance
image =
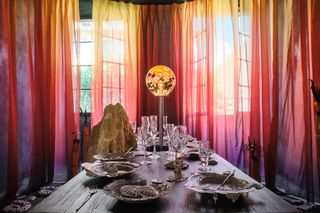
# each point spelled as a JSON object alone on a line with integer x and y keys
{"x": 110, "y": 168}
{"x": 136, "y": 191}
{"x": 225, "y": 184}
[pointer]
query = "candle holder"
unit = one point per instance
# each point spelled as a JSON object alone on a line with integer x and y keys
{"x": 160, "y": 81}
{"x": 177, "y": 175}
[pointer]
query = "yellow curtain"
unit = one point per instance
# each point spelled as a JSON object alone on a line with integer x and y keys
{"x": 114, "y": 78}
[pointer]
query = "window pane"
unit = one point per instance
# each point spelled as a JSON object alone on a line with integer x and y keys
{"x": 244, "y": 92}
{"x": 224, "y": 66}
{"x": 245, "y": 25}
{"x": 113, "y": 50}
{"x": 244, "y": 105}
{"x": 85, "y": 100}
{"x": 113, "y": 29}
{"x": 85, "y": 31}
{"x": 113, "y": 96}
{"x": 86, "y": 77}
{"x": 74, "y": 77}
{"x": 111, "y": 75}
{"x": 86, "y": 53}
{"x": 245, "y": 67}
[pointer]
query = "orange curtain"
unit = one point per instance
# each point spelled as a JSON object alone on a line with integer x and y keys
{"x": 37, "y": 38}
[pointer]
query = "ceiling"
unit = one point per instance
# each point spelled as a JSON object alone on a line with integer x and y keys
{"x": 86, "y": 5}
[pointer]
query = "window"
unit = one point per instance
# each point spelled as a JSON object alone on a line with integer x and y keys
{"x": 244, "y": 63}
{"x": 226, "y": 80}
{"x": 224, "y": 69}
{"x": 199, "y": 64}
{"x": 113, "y": 62}
{"x": 86, "y": 64}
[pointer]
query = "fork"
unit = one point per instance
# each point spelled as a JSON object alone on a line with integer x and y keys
{"x": 92, "y": 191}
{"x": 225, "y": 180}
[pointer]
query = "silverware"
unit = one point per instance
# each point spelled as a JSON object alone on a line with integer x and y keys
{"x": 127, "y": 152}
{"x": 225, "y": 180}
{"x": 92, "y": 191}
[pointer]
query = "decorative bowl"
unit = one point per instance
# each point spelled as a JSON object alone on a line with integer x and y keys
{"x": 117, "y": 187}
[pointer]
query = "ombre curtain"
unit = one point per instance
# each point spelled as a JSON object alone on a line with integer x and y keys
{"x": 283, "y": 43}
{"x": 114, "y": 79}
{"x": 38, "y": 113}
{"x": 243, "y": 70}
{"x": 213, "y": 89}
{"x": 199, "y": 40}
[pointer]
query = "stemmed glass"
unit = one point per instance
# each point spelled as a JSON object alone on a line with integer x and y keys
{"x": 204, "y": 152}
{"x": 154, "y": 132}
{"x": 165, "y": 124}
{"x": 139, "y": 136}
{"x": 170, "y": 130}
{"x": 178, "y": 143}
{"x": 145, "y": 125}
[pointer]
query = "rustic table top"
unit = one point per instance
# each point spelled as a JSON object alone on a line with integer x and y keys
{"x": 71, "y": 195}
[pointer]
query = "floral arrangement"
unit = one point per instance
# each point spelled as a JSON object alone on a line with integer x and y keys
{"x": 160, "y": 80}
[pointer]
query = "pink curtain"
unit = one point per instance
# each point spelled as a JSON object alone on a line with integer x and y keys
{"x": 8, "y": 81}
{"x": 282, "y": 66}
{"x": 38, "y": 114}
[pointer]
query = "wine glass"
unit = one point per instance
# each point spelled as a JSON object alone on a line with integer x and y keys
{"x": 170, "y": 130}
{"x": 204, "y": 153}
{"x": 145, "y": 135}
{"x": 179, "y": 141}
{"x": 145, "y": 122}
{"x": 165, "y": 124}
{"x": 139, "y": 135}
{"x": 153, "y": 133}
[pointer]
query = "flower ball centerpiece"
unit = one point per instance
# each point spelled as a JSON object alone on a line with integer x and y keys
{"x": 160, "y": 80}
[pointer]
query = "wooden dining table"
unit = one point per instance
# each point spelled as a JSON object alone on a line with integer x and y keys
{"x": 70, "y": 196}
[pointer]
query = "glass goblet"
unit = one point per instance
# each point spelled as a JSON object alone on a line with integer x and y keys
{"x": 145, "y": 136}
{"x": 139, "y": 135}
{"x": 145, "y": 123}
{"x": 165, "y": 124}
{"x": 153, "y": 133}
{"x": 204, "y": 153}
{"x": 179, "y": 142}
{"x": 170, "y": 129}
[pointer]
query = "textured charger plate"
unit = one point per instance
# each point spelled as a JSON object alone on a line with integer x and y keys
{"x": 210, "y": 182}
{"x": 98, "y": 169}
{"x": 113, "y": 189}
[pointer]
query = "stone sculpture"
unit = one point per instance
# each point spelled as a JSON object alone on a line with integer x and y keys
{"x": 113, "y": 134}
